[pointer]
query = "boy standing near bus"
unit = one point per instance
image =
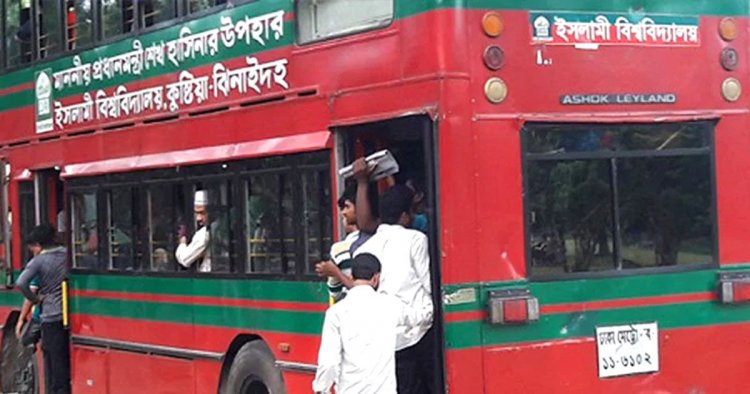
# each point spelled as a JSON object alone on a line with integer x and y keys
{"x": 338, "y": 268}
{"x": 51, "y": 269}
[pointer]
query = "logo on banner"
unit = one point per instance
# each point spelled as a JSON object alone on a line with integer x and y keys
{"x": 43, "y": 96}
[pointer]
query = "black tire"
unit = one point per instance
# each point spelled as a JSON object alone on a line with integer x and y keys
{"x": 254, "y": 372}
{"x": 20, "y": 372}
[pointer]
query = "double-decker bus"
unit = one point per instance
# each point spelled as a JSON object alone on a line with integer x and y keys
{"x": 584, "y": 165}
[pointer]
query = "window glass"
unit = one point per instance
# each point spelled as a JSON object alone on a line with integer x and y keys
{"x": 589, "y": 138}
{"x": 117, "y": 17}
{"x": 636, "y": 206}
{"x": 79, "y": 23}
{"x": 269, "y": 228}
{"x": 220, "y": 226}
{"x": 155, "y": 11}
{"x": 26, "y": 216}
{"x": 50, "y": 30}
{"x": 321, "y": 19}
{"x": 165, "y": 211}
{"x": 317, "y": 211}
{"x": 122, "y": 229}
{"x": 18, "y": 31}
{"x": 84, "y": 230}
{"x": 200, "y": 5}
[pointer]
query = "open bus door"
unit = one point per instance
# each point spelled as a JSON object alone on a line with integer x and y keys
{"x": 411, "y": 140}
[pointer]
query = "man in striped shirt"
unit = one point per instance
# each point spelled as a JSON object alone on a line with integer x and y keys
{"x": 338, "y": 268}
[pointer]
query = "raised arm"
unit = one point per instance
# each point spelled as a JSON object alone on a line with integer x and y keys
{"x": 187, "y": 254}
{"x": 366, "y": 221}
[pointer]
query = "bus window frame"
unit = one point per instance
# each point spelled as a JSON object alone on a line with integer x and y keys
{"x": 188, "y": 177}
{"x": 346, "y": 34}
{"x": 615, "y": 273}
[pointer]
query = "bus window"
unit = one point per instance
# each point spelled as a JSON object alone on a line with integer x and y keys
{"x": 152, "y": 12}
{"x": 122, "y": 211}
{"x": 17, "y": 31}
{"x": 49, "y": 18}
{"x": 164, "y": 203}
{"x": 319, "y": 20}
{"x": 85, "y": 230}
{"x": 316, "y": 201}
{"x": 200, "y": 5}
{"x": 266, "y": 239}
{"x": 615, "y": 197}
{"x": 79, "y": 23}
{"x": 117, "y": 17}
{"x": 220, "y": 230}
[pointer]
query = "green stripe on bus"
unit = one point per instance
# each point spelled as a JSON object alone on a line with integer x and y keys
{"x": 274, "y": 290}
{"x": 579, "y": 325}
{"x": 11, "y": 298}
{"x": 206, "y": 315}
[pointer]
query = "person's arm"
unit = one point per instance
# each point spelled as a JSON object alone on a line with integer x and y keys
{"x": 25, "y": 310}
{"x": 329, "y": 269}
{"x": 24, "y": 281}
{"x": 329, "y": 355}
{"x": 365, "y": 219}
{"x": 420, "y": 258}
{"x": 186, "y": 254}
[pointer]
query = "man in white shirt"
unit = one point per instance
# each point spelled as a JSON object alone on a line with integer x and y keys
{"x": 198, "y": 249}
{"x": 359, "y": 335}
{"x": 404, "y": 255}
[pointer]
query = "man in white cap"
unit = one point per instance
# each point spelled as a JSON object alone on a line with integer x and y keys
{"x": 198, "y": 250}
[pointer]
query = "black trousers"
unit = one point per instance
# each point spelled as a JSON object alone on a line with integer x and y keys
{"x": 416, "y": 366}
{"x": 56, "y": 351}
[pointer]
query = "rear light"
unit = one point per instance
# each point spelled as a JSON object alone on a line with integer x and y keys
{"x": 734, "y": 287}
{"x": 731, "y": 89}
{"x": 729, "y": 59}
{"x": 493, "y": 57}
{"x": 495, "y": 90}
{"x": 728, "y": 29}
{"x": 492, "y": 24}
{"x": 512, "y": 306}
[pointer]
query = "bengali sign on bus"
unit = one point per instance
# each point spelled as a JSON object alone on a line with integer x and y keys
{"x": 628, "y": 349}
{"x": 238, "y": 31}
{"x": 567, "y": 28}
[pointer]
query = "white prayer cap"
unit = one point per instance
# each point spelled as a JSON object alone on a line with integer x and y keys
{"x": 201, "y": 198}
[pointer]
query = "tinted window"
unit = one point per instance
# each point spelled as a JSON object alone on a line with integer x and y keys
{"x": 615, "y": 197}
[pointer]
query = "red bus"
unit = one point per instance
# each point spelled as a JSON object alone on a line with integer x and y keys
{"x": 584, "y": 166}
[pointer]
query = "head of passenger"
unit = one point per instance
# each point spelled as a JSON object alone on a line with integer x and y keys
{"x": 348, "y": 205}
{"x": 199, "y": 207}
{"x": 396, "y": 206}
{"x": 40, "y": 237}
{"x": 419, "y": 197}
{"x": 366, "y": 270}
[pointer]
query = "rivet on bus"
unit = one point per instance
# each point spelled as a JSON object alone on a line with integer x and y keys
{"x": 729, "y": 59}
{"x": 495, "y": 90}
{"x": 492, "y": 24}
{"x": 731, "y": 89}
{"x": 728, "y": 29}
{"x": 494, "y": 58}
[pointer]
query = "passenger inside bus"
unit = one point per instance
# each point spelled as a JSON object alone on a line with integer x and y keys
{"x": 197, "y": 250}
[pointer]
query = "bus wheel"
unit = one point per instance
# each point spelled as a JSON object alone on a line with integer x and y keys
{"x": 254, "y": 371}
{"x": 19, "y": 365}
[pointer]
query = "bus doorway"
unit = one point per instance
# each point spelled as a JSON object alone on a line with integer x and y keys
{"x": 412, "y": 141}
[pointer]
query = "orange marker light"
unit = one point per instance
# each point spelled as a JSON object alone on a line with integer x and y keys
{"x": 728, "y": 29}
{"x": 492, "y": 24}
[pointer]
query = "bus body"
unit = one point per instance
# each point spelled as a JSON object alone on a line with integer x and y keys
{"x": 583, "y": 164}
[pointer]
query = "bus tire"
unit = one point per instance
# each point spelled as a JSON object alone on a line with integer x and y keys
{"x": 254, "y": 371}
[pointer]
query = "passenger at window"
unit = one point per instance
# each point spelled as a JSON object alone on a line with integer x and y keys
{"x": 198, "y": 250}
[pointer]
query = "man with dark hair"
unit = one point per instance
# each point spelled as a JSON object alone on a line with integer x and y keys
{"x": 406, "y": 276}
{"x": 359, "y": 335}
{"x": 50, "y": 268}
{"x": 338, "y": 268}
